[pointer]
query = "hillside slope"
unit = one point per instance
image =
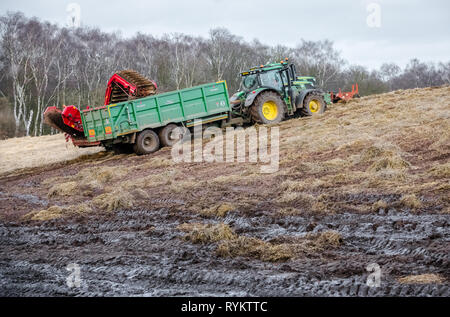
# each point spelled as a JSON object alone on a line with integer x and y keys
{"x": 367, "y": 182}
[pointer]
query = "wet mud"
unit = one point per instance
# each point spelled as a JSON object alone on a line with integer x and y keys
{"x": 141, "y": 253}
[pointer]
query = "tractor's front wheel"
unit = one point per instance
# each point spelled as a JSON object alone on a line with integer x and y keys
{"x": 314, "y": 104}
{"x": 146, "y": 142}
{"x": 268, "y": 108}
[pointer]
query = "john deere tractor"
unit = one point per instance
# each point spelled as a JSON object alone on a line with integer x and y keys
{"x": 271, "y": 92}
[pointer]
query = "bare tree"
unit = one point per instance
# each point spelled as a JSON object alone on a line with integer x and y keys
{"x": 319, "y": 59}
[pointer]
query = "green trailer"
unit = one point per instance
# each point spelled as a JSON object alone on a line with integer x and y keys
{"x": 148, "y": 123}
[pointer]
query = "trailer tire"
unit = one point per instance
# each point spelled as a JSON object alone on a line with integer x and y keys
{"x": 147, "y": 142}
{"x": 166, "y": 135}
{"x": 268, "y": 108}
{"x": 314, "y": 104}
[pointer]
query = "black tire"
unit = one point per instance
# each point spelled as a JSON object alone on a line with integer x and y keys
{"x": 313, "y": 104}
{"x": 268, "y": 108}
{"x": 146, "y": 142}
{"x": 167, "y": 137}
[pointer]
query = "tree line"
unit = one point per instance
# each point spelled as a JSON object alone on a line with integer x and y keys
{"x": 43, "y": 64}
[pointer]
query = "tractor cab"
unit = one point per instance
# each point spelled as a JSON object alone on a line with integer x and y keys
{"x": 274, "y": 76}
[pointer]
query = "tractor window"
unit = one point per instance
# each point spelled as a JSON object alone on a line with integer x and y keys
{"x": 285, "y": 79}
{"x": 249, "y": 82}
{"x": 271, "y": 79}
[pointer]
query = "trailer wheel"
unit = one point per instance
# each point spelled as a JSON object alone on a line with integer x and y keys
{"x": 146, "y": 142}
{"x": 268, "y": 108}
{"x": 314, "y": 104}
{"x": 169, "y": 136}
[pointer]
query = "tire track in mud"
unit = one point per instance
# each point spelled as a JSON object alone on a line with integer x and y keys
{"x": 141, "y": 253}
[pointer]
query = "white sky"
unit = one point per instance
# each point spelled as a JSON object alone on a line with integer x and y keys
{"x": 408, "y": 28}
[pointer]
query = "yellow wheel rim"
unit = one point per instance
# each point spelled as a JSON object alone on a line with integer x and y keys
{"x": 314, "y": 106}
{"x": 270, "y": 110}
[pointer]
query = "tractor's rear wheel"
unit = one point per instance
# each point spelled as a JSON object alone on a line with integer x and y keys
{"x": 146, "y": 142}
{"x": 314, "y": 104}
{"x": 169, "y": 135}
{"x": 268, "y": 108}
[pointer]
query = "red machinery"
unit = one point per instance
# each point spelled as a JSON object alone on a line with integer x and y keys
{"x": 127, "y": 85}
{"x": 345, "y": 96}
{"x": 122, "y": 86}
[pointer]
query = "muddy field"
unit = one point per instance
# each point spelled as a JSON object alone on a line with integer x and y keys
{"x": 368, "y": 182}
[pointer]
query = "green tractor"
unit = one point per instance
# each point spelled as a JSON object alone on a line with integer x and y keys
{"x": 271, "y": 92}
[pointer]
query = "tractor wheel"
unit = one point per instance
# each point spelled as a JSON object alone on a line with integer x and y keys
{"x": 169, "y": 136}
{"x": 314, "y": 104}
{"x": 268, "y": 108}
{"x": 147, "y": 142}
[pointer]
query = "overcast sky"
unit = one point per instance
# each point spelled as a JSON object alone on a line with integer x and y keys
{"x": 409, "y": 28}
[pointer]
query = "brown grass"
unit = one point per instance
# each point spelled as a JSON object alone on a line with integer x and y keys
{"x": 56, "y": 212}
{"x": 254, "y": 248}
{"x": 392, "y": 163}
{"x": 154, "y": 163}
{"x": 422, "y": 279}
{"x": 29, "y": 152}
{"x": 410, "y": 201}
{"x": 219, "y": 210}
{"x": 232, "y": 245}
{"x": 63, "y": 189}
{"x": 381, "y": 204}
{"x": 114, "y": 201}
{"x": 206, "y": 233}
{"x": 53, "y": 212}
{"x": 441, "y": 170}
{"x": 86, "y": 182}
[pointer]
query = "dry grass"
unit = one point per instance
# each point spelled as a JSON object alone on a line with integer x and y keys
{"x": 326, "y": 239}
{"x": 56, "y": 212}
{"x": 410, "y": 201}
{"x": 206, "y": 233}
{"x": 219, "y": 210}
{"x": 381, "y": 204}
{"x": 254, "y": 248}
{"x": 29, "y": 152}
{"x": 63, "y": 189}
{"x": 183, "y": 186}
{"x": 114, "y": 201}
{"x": 389, "y": 163}
{"x": 154, "y": 163}
{"x": 53, "y": 212}
{"x": 422, "y": 279}
{"x": 383, "y": 144}
{"x": 441, "y": 170}
{"x": 86, "y": 182}
{"x": 232, "y": 245}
